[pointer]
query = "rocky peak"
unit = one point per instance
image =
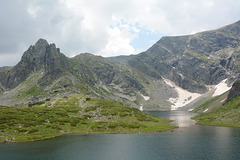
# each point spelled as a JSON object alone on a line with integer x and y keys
{"x": 39, "y": 57}
{"x": 41, "y": 44}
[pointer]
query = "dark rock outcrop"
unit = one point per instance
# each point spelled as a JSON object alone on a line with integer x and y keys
{"x": 40, "y": 57}
{"x": 235, "y": 90}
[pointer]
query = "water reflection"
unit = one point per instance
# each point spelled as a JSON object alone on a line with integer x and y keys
{"x": 180, "y": 118}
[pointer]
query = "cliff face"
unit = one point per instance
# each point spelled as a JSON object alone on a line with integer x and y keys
{"x": 193, "y": 61}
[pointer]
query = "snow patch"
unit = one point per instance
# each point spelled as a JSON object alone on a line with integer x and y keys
{"x": 221, "y": 88}
{"x": 223, "y": 100}
{"x": 141, "y": 108}
{"x": 205, "y": 110}
{"x": 146, "y": 98}
{"x": 190, "y": 110}
{"x": 184, "y": 96}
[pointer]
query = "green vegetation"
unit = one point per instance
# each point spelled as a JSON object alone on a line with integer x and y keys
{"x": 205, "y": 105}
{"x": 29, "y": 87}
{"x": 74, "y": 114}
{"x": 32, "y": 90}
{"x": 227, "y": 115}
{"x": 198, "y": 56}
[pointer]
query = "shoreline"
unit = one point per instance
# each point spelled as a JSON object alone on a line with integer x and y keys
{"x": 88, "y": 133}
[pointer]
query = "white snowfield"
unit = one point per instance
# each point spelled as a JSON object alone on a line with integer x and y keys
{"x": 221, "y": 88}
{"x": 146, "y": 98}
{"x": 184, "y": 96}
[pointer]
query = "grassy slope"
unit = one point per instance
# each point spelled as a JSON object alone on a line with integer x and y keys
{"x": 212, "y": 103}
{"x": 75, "y": 114}
{"x": 226, "y": 115}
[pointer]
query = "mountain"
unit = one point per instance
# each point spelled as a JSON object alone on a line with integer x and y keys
{"x": 45, "y": 72}
{"x": 40, "y": 57}
{"x": 175, "y": 72}
{"x": 193, "y": 62}
{"x": 106, "y": 79}
{"x": 55, "y": 95}
{"x": 102, "y": 71}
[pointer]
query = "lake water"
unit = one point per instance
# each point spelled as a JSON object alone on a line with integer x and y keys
{"x": 189, "y": 142}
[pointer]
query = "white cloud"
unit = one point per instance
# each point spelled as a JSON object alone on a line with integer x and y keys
{"x": 118, "y": 43}
{"x": 106, "y": 27}
{"x": 33, "y": 10}
{"x": 9, "y": 59}
{"x": 208, "y": 4}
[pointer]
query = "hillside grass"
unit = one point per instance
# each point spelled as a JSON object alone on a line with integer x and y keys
{"x": 227, "y": 115}
{"x": 74, "y": 114}
{"x": 198, "y": 56}
{"x": 205, "y": 105}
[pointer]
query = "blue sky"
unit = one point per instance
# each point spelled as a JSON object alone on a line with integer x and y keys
{"x": 103, "y": 27}
{"x": 145, "y": 40}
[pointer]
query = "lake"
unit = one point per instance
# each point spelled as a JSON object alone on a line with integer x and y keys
{"x": 188, "y": 142}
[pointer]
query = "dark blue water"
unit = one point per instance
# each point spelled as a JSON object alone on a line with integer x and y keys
{"x": 189, "y": 142}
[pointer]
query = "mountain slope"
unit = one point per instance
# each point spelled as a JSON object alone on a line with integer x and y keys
{"x": 45, "y": 72}
{"x": 223, "y": 110}
{"x": 193, "y": 61}
{"x": 225, "y": 115}
{"x": 120, "y": 60}
{"x": 106, "y": 79}
{"x": 103, "y": 71}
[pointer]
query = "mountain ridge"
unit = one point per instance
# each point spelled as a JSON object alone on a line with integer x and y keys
{"x": 192, "y": 62}
{"x": 176, "y": 58}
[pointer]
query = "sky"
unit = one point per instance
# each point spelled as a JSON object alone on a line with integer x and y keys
{"x": 105, "y": 27}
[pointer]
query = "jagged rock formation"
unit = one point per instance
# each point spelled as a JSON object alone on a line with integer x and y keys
{"x": 41, "y": 56}
{"x": 43, "y": 71}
